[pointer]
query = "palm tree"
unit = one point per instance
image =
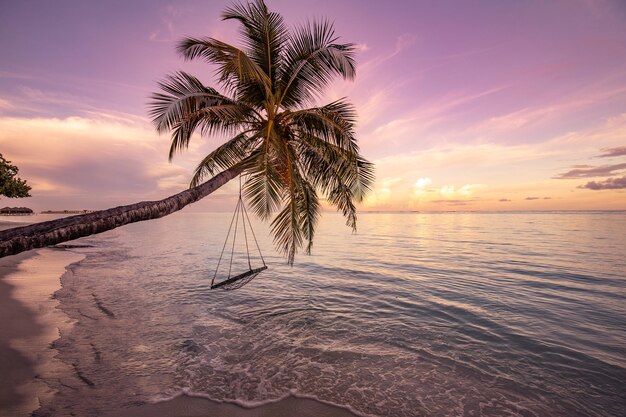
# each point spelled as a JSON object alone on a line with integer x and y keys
{"x": 287, "y": 148}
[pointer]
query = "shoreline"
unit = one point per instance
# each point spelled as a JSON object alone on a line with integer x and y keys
{"x": 30, "y": 324}
{"x": 17, "y": 321}
{"x": 187, "y": 405}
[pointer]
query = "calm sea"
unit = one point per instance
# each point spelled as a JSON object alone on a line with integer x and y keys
{"x": 458, "y": 314}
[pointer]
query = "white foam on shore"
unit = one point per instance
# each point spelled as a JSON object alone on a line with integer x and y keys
{"x": 34, "y": 282}
{"x": 256, "y": 404}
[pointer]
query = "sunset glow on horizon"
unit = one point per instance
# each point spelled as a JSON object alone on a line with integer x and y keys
{"x": 484, "y": 106}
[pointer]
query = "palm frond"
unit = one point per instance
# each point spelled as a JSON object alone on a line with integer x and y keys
{"x": 187, "y": 104}
{"x": 296, "y": 222}
{"x": 333, "y": 122}
{"x": 183, "y": 93}
{"x": 323, "y": 158}
{"x": 287, "y": 153}
{"x": 310, "y": 208}
{"x": 342, "y": 176}
{"x": 235, "y": 69}
{"x": 312, "y": 60}
{"x": 298, "y": 219}
{"x": 264, "y": 186}
{"x": 286, "y": 230}
{"x": 263, "y": 32}
{"x": 225, "y": 156}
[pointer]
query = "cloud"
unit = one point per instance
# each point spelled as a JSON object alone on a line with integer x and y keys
{"x": 447, "y": 190}
{"x": 609, "y": 133}
{"x": 168, "y": 15}
{"x": 404, "y": 41}
{"x": 516, "y": 170}
{"x": 426, "y": 117}
{"x": 37, "y": 103}
{"x": 532, "y": 198}
{"x": 601, "y": 171}
{"x": 423, "y": 182}
{"x": 388, "y": 182}
{"x": 551, "y": 111}
{"x": 458, "y": 156}
{"x": 612, "y": 152}
{"x": 382, "y": 191}
{"x": 453, "y": 202}
{"x": 466, "y": 190}
{"x": 504, "y": 200}
{"x": 4, "y": 105}
{"x": 515, "y": 120}
{"x": 608, "y": 184}
{"x": 104, "y": 159}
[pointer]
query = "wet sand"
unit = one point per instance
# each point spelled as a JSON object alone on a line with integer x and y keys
{"x": 17, "y": 321}
{"x": 30, "y": 323}
{"x": 185, "y": 406}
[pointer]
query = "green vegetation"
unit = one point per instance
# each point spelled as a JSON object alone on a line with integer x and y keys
{"x": 288, "y": 148}
{"x": 10, "y": 185}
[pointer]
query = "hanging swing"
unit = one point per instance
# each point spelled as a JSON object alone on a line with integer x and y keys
{"x": 239, "y": 280}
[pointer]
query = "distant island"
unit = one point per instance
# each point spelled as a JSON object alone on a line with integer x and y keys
{"x": 67, "y": 211}
{"x": 16, "y": 211}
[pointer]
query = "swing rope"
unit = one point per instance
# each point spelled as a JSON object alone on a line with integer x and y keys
{"x": 241, "y": 279}
{"x": 254, "y": 236}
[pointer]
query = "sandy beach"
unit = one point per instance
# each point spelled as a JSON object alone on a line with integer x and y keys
{"x": 31, "y": 322}
{"x": 185, "y": 406}
{"x": 463, "y": 333}
{"x": 17, "y": 321}
{"x": 294, "y": 209}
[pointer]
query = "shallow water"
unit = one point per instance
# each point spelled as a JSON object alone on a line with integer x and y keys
{"x": 478, "y": 314}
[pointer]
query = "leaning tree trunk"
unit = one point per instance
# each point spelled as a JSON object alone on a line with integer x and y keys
{"x": 38, "y": 235}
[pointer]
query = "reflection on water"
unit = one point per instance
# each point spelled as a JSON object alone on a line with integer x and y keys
{"x": 418, "y": 314}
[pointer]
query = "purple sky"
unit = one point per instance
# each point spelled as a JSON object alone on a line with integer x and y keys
{"x": 462, "y": 105}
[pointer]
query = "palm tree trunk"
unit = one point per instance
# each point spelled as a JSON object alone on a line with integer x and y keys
{"x": 38, "y": 235}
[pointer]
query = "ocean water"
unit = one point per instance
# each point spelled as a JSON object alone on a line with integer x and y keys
{"x": 418, "y": 314}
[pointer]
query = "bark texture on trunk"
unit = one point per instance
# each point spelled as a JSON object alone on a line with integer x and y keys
{"x": 38, "y": 235}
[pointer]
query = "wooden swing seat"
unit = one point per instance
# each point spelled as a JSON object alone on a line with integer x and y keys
{"x": 238, "y": 281}
{"x": 237, "y": 278}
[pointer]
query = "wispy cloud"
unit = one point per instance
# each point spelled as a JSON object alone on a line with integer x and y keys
{"x": 15, "y": 75}
{"x": 402, "y": 43}
{"x": 555, "y": 110}
{"x": 4, "y": 105}
{"x": 39, "y": 103}
{"x": 601, "y": 171}
{"x": 463, "y": 54}
{"x": 612, "y": 152}
{"x": 466, "y": 190}
{"x": 382, "y": 191}
{"x": 608, "y": 184}
{"x": 104, "y": 159}
{"x": 453, "y": 202}
{"x": 167, "y": 32}
{"x": 425, "y": 116}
